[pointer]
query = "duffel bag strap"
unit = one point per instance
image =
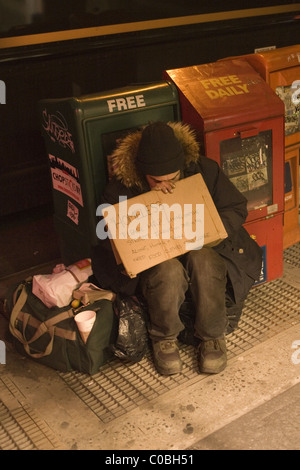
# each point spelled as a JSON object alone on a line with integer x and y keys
{"x": 61, "y": 332}
{"x": 17, "y": 334}
{"x": 44, "y": 327}
{"x": 19, "y": 304}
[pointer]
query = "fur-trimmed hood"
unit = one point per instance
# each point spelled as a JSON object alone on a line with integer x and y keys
{"x": 122, "y": 160}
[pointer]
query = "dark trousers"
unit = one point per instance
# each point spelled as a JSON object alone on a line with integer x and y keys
{"x": 164, "y": 287}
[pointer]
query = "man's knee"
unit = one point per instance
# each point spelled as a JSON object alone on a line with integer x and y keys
{"x": 206, "y": 260}
{"x": 164, "y": 285}
{"x": 170, "y": 271}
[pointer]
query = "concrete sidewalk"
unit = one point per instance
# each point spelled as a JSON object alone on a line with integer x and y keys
{"x": 271, "y": 426}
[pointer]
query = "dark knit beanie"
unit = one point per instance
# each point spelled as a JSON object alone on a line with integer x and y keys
{"x": 159, "y": 152}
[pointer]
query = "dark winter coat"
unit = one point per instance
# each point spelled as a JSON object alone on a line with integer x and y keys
{"x": 241, "y": 253}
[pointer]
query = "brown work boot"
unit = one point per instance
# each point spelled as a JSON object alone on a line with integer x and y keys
{"x": 212, "y": 356}
{"x": 166, "y": 357}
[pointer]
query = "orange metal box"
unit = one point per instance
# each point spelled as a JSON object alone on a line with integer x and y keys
{"x": 239, "y": 120}
{"x": 280, "y": 68}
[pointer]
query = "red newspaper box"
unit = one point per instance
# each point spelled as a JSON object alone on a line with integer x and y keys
{"x": 280, "y": 68}
{"x": 239, "y": 120}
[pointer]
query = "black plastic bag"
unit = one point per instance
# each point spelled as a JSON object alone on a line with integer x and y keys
{"x": 132, "y": 340}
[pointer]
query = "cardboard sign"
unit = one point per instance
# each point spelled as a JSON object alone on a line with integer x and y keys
{"x": 151, "y": 228}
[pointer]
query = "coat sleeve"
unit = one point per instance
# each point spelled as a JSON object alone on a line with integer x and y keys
{"x": 229, "y": 201}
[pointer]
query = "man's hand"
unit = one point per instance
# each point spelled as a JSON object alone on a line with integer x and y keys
{"x": 165, "y": 183}
{"x": 164, "y": 186}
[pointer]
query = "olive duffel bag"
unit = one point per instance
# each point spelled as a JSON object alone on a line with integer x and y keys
{"x": 50, "y": 335}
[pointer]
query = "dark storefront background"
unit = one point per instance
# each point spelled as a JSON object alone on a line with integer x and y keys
{"x": 23, "y": 17}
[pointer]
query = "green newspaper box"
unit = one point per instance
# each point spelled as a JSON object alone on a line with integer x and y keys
{"x": 80, "y": 133}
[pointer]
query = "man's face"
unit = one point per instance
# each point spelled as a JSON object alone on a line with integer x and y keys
{"x": 164, "y": 183}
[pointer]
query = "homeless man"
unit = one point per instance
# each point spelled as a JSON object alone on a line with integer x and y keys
{"x": 218, "y": 279}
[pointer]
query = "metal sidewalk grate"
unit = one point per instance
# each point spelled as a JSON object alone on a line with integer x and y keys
{"x": 269, "y": 309}
{"x": 20, "y": 428}
{"x": 119, "y": 387}
{"x": 292, "y": 255}
{"x": 12, "y": 435}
